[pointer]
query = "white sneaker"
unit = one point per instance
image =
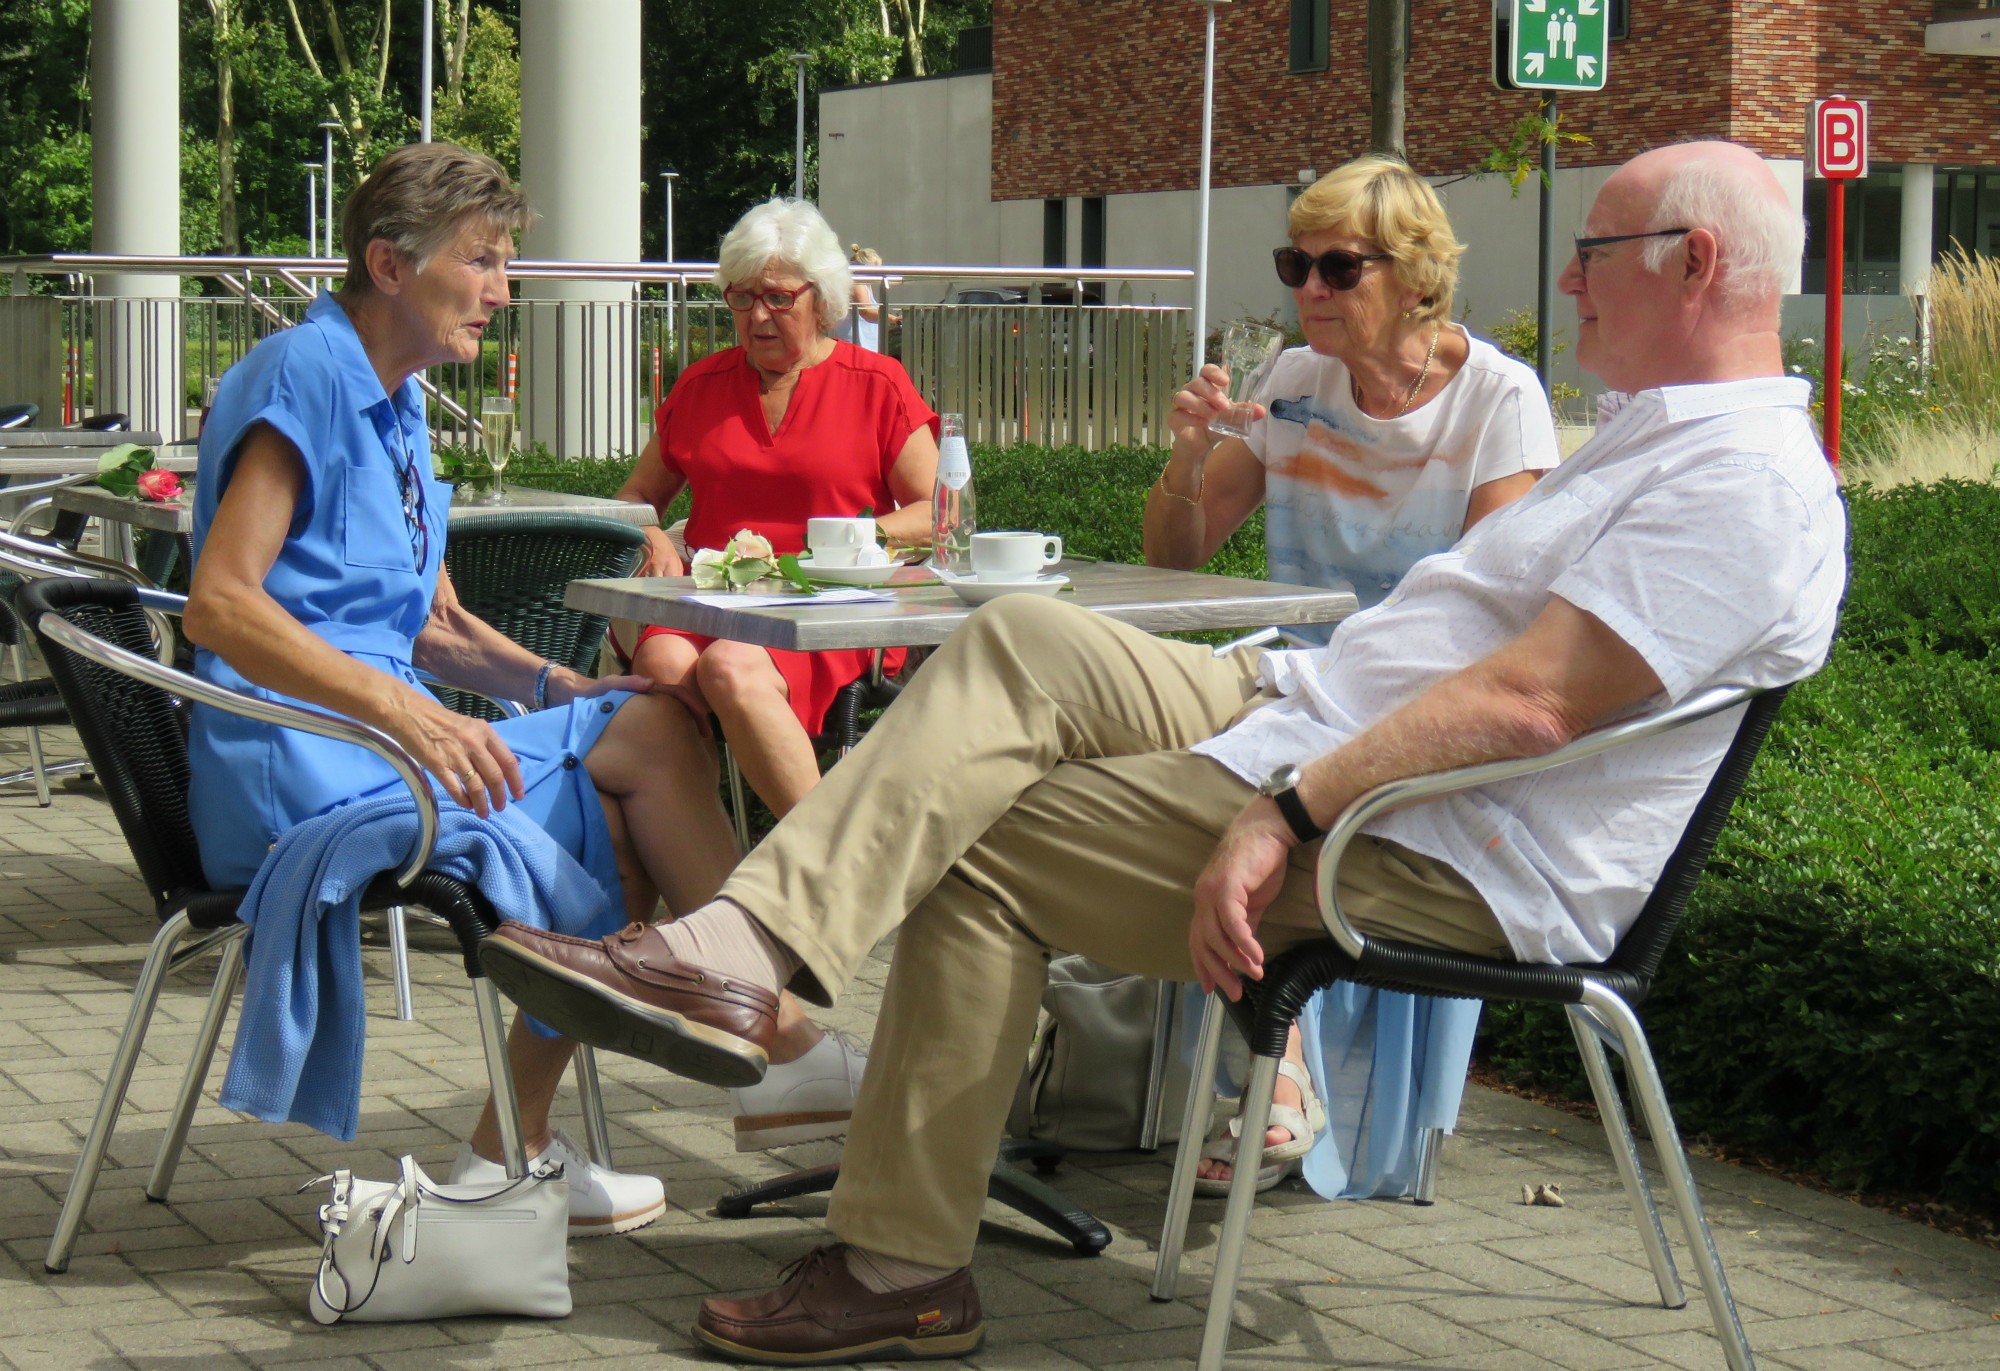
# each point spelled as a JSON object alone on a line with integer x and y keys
{"x": 600, "y": 1202}
{"x": 805, "y": 1100}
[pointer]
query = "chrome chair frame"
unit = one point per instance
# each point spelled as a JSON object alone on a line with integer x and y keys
{"x": 172, "y": 949}
{"x": 1602, "y": 1018}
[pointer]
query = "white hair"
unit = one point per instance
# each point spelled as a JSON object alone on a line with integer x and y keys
{"x": 1759, "y": 238}
{"x": 789, "y": 234}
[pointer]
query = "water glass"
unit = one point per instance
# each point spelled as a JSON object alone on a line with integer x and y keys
{"x": 496, "y": 437}
{"x": 1248, "y": 350}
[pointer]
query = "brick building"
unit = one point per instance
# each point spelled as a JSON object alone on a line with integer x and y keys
{"x": 1079, "y": 145}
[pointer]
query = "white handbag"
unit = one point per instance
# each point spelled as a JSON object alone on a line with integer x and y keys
{"x": 413, "y": 1249}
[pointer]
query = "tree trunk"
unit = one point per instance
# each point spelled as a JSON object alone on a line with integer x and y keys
{"x": 227, "y": 227}
{"x": 1388, "y": 22}
{"x": 382, "y": 47}
{"x": 339, "y": 38}
{"x": 913, "y": 33}
{"x": 305, "y": 43}
{"x": 458, "y": 33}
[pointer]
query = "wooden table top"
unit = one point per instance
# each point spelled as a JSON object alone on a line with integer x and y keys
{"x": 1150, "y": 598}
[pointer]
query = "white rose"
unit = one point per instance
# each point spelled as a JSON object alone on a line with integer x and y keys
{"x": 710, "y": 572}
{"x": 751, "y": 546}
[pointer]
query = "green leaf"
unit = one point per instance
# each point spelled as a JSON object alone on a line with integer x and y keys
{"x": 788, "y": 567}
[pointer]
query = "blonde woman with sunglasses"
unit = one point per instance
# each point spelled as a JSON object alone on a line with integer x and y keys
{"x": 1384, "y": 438}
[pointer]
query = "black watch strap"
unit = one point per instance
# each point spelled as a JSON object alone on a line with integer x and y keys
{"x": 1294, "y": 809}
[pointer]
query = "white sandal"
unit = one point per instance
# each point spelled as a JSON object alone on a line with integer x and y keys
{"x": 1279, "y": 1161}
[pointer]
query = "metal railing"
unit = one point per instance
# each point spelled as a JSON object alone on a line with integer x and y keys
{"x": 1053, "y": 368}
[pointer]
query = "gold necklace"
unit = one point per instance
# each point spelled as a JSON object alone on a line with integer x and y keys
{"x": 1423, "y": 375}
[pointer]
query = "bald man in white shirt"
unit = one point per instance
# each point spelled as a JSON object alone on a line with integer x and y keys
{"x": 1054, "y": 780}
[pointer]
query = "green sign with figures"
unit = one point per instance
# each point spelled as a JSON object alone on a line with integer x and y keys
{"x": 1559, "y": 44}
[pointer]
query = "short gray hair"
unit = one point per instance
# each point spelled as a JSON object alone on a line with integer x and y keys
{"x": 419, "y": 198}
{"x": 789, "y": 233}
{"x": 1759, "y": 240}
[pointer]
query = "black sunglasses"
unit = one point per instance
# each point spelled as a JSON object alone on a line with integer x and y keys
{"x": 1340, "y": 269}
{"x": 411, "y": 487}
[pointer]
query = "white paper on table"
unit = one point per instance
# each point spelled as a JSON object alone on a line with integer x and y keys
{"x": 736, "y": 600}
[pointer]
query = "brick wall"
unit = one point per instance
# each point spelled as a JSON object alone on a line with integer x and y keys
{"x": 1103, "y": 97}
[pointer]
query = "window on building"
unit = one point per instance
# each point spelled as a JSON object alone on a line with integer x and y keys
{"x": 1093, "y": 232}
{"x": 1621, "y": 18}
{"x": 1966, "y": 210}
{"x": 1309, "y": 27}
{"x": 1873, "y": 241}
{"x": 1055, "y": 233}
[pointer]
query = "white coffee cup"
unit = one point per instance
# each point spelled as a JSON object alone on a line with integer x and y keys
{"x": 1014, "y": 556}
{"x": 838, "y": 542}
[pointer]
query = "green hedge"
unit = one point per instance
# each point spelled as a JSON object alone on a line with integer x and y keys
{"x": 1833, "y": 999}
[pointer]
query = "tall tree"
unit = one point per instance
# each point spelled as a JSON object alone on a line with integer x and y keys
{"x": 1388, "y": 53}
{"x": 223, "y": 13}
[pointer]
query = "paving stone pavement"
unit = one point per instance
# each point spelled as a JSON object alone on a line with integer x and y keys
{"x": 217, "y": 1278}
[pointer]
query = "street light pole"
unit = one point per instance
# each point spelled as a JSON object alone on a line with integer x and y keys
{"x": 424, "y": 80}
{"x": 312, "y": 208}
{"x": 670, "y": 177}
{"x": 328, "y": 129}
{"x": 799, "y": 152}
{"x": 1201, "y": 202}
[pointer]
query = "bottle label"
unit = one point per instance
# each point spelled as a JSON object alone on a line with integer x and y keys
{"x": 954, "y": 462}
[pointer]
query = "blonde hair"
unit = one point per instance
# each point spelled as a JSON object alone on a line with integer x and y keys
{"x": 419, "y": 198}
{"x": 863, "y": 257}
{"x": 1381, "y": 200}
{"x": 788, "y": 233}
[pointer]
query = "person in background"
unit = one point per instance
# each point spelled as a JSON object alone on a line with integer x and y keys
{"x": 1385, "y": 438}
{"x": 863, "y": 324}
{"x": 788, "y": 425}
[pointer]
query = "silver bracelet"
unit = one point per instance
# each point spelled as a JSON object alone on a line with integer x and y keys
{"x": 542, "y": 685}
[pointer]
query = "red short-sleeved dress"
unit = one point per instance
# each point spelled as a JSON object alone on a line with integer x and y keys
{"x": 847, "y": 422}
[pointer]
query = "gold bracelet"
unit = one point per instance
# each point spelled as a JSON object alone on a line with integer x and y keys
{"x": 1200, "y": 484}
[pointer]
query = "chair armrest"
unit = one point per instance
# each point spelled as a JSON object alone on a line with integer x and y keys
{"x": 513, "y": 709}
{"x": 1257, "y": 639}
{"x": 1416, "y": 789}
{"x": 38, "y": 491}
{"x": 58, "y": 560}
{"x": 321, "y": 722}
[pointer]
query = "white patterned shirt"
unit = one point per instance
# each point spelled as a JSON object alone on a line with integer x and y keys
{"x": 1703, "y": 526}
{"x": 1349, "y": 498}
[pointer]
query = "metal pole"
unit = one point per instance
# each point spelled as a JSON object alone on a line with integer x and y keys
{"x": 1201, "y": 200}
{"x": 670, "y": 177}
{"x": 1833, "y": 371}
{"x": 312, "y": 209}
{"x": 799, "y": 152}
{"x": 424, "y": 103}
{"x": 328, "y": 129}
{"x": 1545, "y": 292}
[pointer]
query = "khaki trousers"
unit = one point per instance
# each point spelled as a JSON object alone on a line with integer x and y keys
{"x": 1030, "y": 792}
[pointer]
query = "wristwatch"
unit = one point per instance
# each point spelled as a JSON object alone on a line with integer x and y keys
{"x": 1282, "y": 786}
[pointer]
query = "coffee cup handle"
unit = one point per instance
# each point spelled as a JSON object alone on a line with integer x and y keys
{"x": 1051, "y": 550}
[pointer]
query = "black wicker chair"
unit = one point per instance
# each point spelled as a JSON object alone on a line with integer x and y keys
{"x": 99, "y": 643}
{"x": 1599, "y": 1000}
{"x": 512, "y": 571}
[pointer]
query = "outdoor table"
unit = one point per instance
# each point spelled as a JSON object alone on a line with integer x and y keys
{"x": 920, "y": 611}
{"x": 73, "y": 437}
{"x": 74, "y": 452}
{"x": 119, "y": 515}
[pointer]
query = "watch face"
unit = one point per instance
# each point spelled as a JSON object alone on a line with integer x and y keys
{"x": 1283, "y": 779}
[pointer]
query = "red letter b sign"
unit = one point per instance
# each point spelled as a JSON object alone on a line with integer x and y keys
{"x": 1837, "y": 139}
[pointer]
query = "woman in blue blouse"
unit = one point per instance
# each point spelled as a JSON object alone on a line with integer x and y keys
{"x": 318, "y": 577}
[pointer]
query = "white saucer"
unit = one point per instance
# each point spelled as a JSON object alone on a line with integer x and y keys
{"x": 850, "y": 575}
{"x": 969, "y": 589}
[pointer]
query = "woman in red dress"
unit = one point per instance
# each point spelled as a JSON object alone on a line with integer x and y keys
{"x": 791, "y": 424}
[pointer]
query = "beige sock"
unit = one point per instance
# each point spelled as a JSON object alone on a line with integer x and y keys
{"x": 721, "y": 937}
{"x": 884, "y": 1275}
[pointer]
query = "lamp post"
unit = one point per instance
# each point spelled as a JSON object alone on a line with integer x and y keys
{"x": 312, "y": 208}
{"x": 799, "y": 152}
{"x": 328, "y": 128}
{"x": 670, "y": 177}
{"x": 424, "y": 80}
{"x": 1201, "y": 200}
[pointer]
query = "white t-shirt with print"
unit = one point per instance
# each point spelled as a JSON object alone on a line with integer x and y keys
{"x": 1352, "y": 498}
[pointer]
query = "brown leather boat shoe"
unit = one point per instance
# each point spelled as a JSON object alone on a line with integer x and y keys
{"x": 627, "y": 993}
{"x": 819, "y": 1315}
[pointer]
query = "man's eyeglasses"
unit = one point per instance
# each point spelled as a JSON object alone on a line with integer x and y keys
{"x": 412, "y": 489}
{"x": 1340, "y": 269}
{"x": 1586, "y": 246}
{"x": 777, "y": 301}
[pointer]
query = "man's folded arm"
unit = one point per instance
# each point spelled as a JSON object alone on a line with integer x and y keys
{"x": 1564, "y": 675}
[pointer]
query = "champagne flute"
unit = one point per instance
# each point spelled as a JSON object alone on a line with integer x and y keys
{"x": 496, "y": 436}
